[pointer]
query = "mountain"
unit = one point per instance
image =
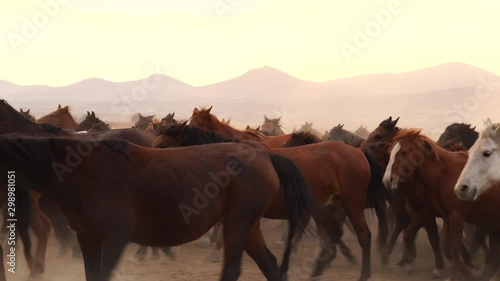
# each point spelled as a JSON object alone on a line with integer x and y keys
{"x": 431, "y": 98}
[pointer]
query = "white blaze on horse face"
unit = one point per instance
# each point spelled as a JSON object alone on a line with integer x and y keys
{"x": 388, "y": 170}
{"x": 481, "y": 172}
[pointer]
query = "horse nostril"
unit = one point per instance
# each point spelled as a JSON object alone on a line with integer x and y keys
{"x": 464, "y": 188}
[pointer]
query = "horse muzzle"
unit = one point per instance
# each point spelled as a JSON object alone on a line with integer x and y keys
{"x": 466, "y": 192}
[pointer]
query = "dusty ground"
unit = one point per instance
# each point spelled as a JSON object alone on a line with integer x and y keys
{"x": 192, "y": 263}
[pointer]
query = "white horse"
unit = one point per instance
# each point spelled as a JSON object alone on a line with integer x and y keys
{"x": 482, "y": 170}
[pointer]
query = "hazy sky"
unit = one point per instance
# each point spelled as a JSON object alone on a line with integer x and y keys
{"x": 206, "y": 41}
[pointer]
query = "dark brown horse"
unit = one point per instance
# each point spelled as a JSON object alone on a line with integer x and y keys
{"x": 91, "y": 121}
{"x": 113, "y": 192}
{"x": 376, "y": 197}
{"x": 12, "y": 121}
{"x": 61, "y": 118}
{"x": 330, "y": 168}
{"x": 203, "y": 119}
{"x": 27, "y": 114}
{"x": 430, "y": 172}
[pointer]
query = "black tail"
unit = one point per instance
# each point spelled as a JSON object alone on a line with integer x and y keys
{"x": 299, "y": 202}
{"x": 377, "y": 196}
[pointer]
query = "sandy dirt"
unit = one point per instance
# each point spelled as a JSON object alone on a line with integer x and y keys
{"x": 192, "y": 263}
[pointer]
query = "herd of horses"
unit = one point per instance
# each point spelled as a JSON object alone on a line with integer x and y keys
{"x": 164, "y": 183}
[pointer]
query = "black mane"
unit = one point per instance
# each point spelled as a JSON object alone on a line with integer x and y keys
{"x": 194, "y": 136}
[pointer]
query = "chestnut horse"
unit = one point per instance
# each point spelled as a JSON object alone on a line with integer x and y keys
{"x": 61, "y": 118}
{"x": 330, "y": 168}
{"x": 203, "y": 119}
{"x": 378, "y": 142}
{"x": 119, "y": 192}
{"x": 430, "y": 172}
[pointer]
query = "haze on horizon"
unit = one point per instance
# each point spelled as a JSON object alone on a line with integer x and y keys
{"x": 208, "y": 41}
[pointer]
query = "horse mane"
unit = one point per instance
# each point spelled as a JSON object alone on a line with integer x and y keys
{"x": 306, "y": 137}
{"x": 491, "y": 132}
{"x": 51, "y": 129}
{"x": 255, "y": 133}
{"x": 415, "y": 134}
{"x": 194, "y": 136}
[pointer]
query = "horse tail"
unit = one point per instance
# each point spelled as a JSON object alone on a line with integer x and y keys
{"x": 377, "y": 195}
{"x": 299, "y": 202}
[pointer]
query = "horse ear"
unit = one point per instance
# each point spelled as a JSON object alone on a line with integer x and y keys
{"x": 150, "y": 117}
{"x": 93, "y": 114}
{"x": 395, "y": 122}
{"x": 428, "y": 145}
{"x": 153, "y": 125}
{"x": 195, "y": 110}
{"x": 258, "y": 128}
{"x": 28, "y": 111}
{"x": 488, "y": 123}
{"x": 88, "y": 113}
{"x": 342, "y": 126}
{"x": 278, "y": 119}
{"x": 228, "y": 121}
{"x": 140, "y": 116}
{"x": 58, "y": 106}
{"x": 265, "y": 118}
{"x": 209, "y": 109}
{"x": 248, "y": 128}
{"x": 65, "y": 109}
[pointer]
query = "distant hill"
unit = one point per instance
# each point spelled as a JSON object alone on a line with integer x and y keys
{"x": 425, "y": 98}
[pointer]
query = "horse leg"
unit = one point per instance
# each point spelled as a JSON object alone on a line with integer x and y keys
{"x": 141, "y": 253}
{"x": 23, "y": 231}
{"x": 112, "y": 248}
{"x": 355, "y": 213}
{"x": 478, "y": 241}
{"x": 156, "y": 253}
{"x": 2, "y": 267}
{"x": 409, "y": 235}
{"x": 215, "y": 256}
{"x": 456, "y": 227}
{"x": 91, "y": 247}
{"x": 383, "y": 224}
{"x": 168, "y": 251}
{"x": 41, "y": 227}
{"x": 66, "y": 237}
{"x": 236, "y": 233}
{"x": 327, "y": 254}
{"x": 401, "y": 221}
{"x": 433, "y": 235}
{"x": 257, "y": 250}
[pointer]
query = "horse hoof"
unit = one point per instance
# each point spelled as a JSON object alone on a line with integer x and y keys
{"x": 436, "y": 274}
{"x": 215, "y": 257}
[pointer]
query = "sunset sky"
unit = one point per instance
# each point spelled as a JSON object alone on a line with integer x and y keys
{"x": 206, "y": 41}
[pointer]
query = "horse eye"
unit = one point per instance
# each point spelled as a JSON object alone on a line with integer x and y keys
{"x": 487, "y": 154}
{"x": 404, "y": 153}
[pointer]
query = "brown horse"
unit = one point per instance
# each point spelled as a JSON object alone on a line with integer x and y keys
{"x": 376, "y": 197}
{"x": 12, "y": 121}
{"x": 143, "y": 122}
{"x": 330, "y": 168}
{"x": 429, "y": 173}
{"x": 91, "y": 121}
{"x": 61, "y": 118}
{"x": 378, "y": 143}
{"x": 117, "y": 192}
{"x": 203, "y": 119}
{"x": 27, "y": 114}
